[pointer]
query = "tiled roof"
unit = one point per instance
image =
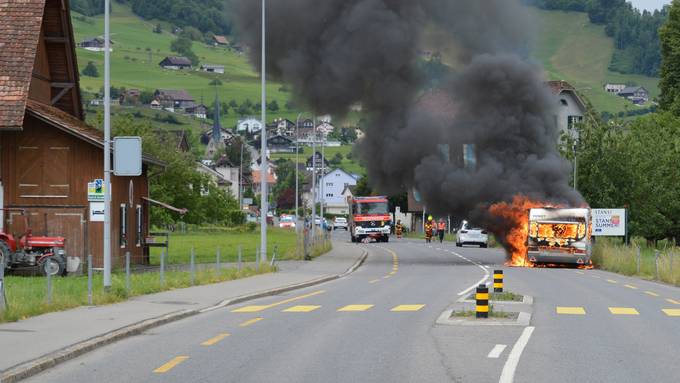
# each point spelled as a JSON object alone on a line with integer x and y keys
{"x": 72, "y": 125}
{"x": 20, "y": 22}
{"x": 221, "y": 39}
{"x": 177, "y": 60}
{"x": 558, "y": 86}
{"x": 174, "y": 94}
{"x": 271, "y": 179}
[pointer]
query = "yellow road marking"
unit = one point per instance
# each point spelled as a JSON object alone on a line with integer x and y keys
{"x": 407, "y": 308}
{"x": 254, "y": 309}
{"x": 386, "y": 276}
{"x": 652, "y": 293}
{"x": 170, "y": 365}
{"x": 672, "y": 312}
{"x": 623, "y": 311}
{"x": 250, "y": 321}
{"x": 374, "y": 281}
{"x": 355, "y": 308}
{"x": 250, "y": 309}
{"x": 611, "y": 281}
{"x": 393, "y": 272}
{"x": 673, "y": 301}
{"x": 595, "y": 276}
{"x": 631, "y": 287}
{"x": 570, "y": 310}
{"x": 580, "y": 272}
{"x": 214, "y": 340}
{"x": 301, "y": 309}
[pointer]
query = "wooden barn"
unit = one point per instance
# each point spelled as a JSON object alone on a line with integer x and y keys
{"x": 48, "y": 154}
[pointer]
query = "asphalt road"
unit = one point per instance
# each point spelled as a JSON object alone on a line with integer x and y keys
{"x": 378, "y": 325}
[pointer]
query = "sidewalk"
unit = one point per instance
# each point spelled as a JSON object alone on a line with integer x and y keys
{"x": 55, "y": 333}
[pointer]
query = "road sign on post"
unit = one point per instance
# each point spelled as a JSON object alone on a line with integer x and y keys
{"x": 127, "y": 156}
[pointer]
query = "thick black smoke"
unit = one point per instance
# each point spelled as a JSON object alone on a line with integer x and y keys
{"x": 336, "y": 53}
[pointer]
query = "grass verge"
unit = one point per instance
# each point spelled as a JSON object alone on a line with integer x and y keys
{"x": 618, "y": 258}
{"x": 492, "y": 314}
{"x": 505, "y": 296}
{"x": 27, "y": 296}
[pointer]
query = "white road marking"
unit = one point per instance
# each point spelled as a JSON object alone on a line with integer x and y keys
{"x": 481, "y": 281}
{"x": 496, "y": 351}
{"x": 508, "y": 374}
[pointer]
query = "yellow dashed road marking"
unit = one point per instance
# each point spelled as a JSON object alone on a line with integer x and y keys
{"x": 595, "y": 276}
{"x": 651, "y": 293}
{"x": 249, "y": 322}
{"x": 254, "y": 309}
{"x": 407, "y": 308}
{"x": 355, "y": 308}
{"x": 393, "y": 272}
{"x": 386, "y": 276}
{"x": 374, "y": 281}
{"x": 673, "y": 301}
{"x": 672, "y": 312}
{"x": 631, "y": 287}
{"x": 170, "y": 365}
{"x": 301, "y": 309}
{"x": 580, "y": 272}
{"x": 623, "y": 311}
{"x": 570, "y": 310}
{"x": 611, "y": 281}
{"x": 214, "y": 340}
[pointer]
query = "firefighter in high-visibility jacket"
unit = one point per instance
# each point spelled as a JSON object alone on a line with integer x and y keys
{"x": 441, "y": 229}
{"x": 399, "y": 229}
{"x": 430, "y": 227}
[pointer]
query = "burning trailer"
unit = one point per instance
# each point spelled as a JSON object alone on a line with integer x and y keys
{"x": 559, "y": 236}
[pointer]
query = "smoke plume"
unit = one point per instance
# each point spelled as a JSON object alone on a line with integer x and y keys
{"x": 335, "y": 53}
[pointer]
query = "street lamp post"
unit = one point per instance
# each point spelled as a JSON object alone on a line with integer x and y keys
{"x": 575, "y": 166}
{"x": 263, "y": 142}
{"x": 297, "y": 166}
{"x": 323, "y": 171}
{"x": 107, "y": 148}
{"x": 314, "y": 181}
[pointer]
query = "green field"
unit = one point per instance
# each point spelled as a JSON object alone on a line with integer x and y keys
{"x": 348, "y": 165}
{"x": 572, "y": 49}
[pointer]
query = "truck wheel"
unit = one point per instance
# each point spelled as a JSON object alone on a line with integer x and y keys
{"x": 5, "y": 254}
{"x": 57, "y": 266}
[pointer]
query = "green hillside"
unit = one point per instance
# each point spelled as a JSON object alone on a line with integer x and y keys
{"x": 572, "y": 49}
{"x": 137, "y": 52}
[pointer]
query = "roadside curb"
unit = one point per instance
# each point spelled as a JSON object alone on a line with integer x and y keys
{"x": 35, "y": 366}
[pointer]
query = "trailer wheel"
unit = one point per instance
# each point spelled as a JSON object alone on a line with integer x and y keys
{"x": 5, "y": 254}
{"x": 57, "y": 266}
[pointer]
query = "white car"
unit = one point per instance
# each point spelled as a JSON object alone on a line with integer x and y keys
{"x": 340, "y": 223}
{"x": 471, "y": 236}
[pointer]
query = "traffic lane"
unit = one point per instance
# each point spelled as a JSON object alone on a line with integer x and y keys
{"x": 359, "y": 337}
{"x": 587, "y": 342}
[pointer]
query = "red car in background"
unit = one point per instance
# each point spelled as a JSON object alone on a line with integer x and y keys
{"x": 287, "y": 222}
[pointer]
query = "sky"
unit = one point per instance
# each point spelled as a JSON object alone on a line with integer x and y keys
{"x": 649, "y": 5}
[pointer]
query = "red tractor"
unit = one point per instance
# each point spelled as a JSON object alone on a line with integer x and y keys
{"x": 27, "y": 250}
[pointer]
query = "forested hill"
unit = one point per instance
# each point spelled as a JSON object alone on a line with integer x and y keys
{"x": 208, "y": 16}
{"x": 635, "y": 33}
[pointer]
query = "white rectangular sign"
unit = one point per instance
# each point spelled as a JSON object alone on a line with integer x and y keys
{"x": 609, "y": 222}
{"x": 96, "y": 211}
{"x": 127, "y": 156}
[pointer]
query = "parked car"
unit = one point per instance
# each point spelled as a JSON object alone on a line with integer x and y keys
{"x": 340, "y": 223}
{"x": 471, "y": 236}
{"x": 287, "y": 222}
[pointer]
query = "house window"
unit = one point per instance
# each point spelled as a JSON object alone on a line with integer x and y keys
{"x": 573, "y": 120}
{"x": 123, "y": 226}
{"x": 329, "y": 194}
{"x": 564, "y": 102}
{"x": 329, "y": 184}
{"x": 139, "y": 219}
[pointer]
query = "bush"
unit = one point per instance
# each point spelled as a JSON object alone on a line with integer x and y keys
{"x": 91, "y": 70}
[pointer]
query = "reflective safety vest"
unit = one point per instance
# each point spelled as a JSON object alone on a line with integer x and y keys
{"x": 442, "y": 226}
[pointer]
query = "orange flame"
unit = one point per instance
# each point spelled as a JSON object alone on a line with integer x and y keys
{"x": 516, "y": 216}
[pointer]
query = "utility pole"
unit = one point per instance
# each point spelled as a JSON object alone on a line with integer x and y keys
{"x": 575, "y": 166}
{"x": 297, "y": 166}
{"x": 107, "y": 148}
{"x": 314, "y": 180}
{"x": 263, "y": 149}
{"x": 240, "y": 178}
{"x": 323, "y": 171}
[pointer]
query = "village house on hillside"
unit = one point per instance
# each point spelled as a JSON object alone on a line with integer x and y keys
{"x": 174, "y": 100}
{"x": 248, "y": 125}
{"x": 175, "y": 63}
{"x": 571, "y": 108}
{"x": 219, "y": 40}
{"x": 49, "y": 154}
{"x": 212, "y": 68}
{"x": 636, "y": 94}
{"x": 614, "y": 88}
{"x": 95, "y": 44}
{"x": 313, "y": 162}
